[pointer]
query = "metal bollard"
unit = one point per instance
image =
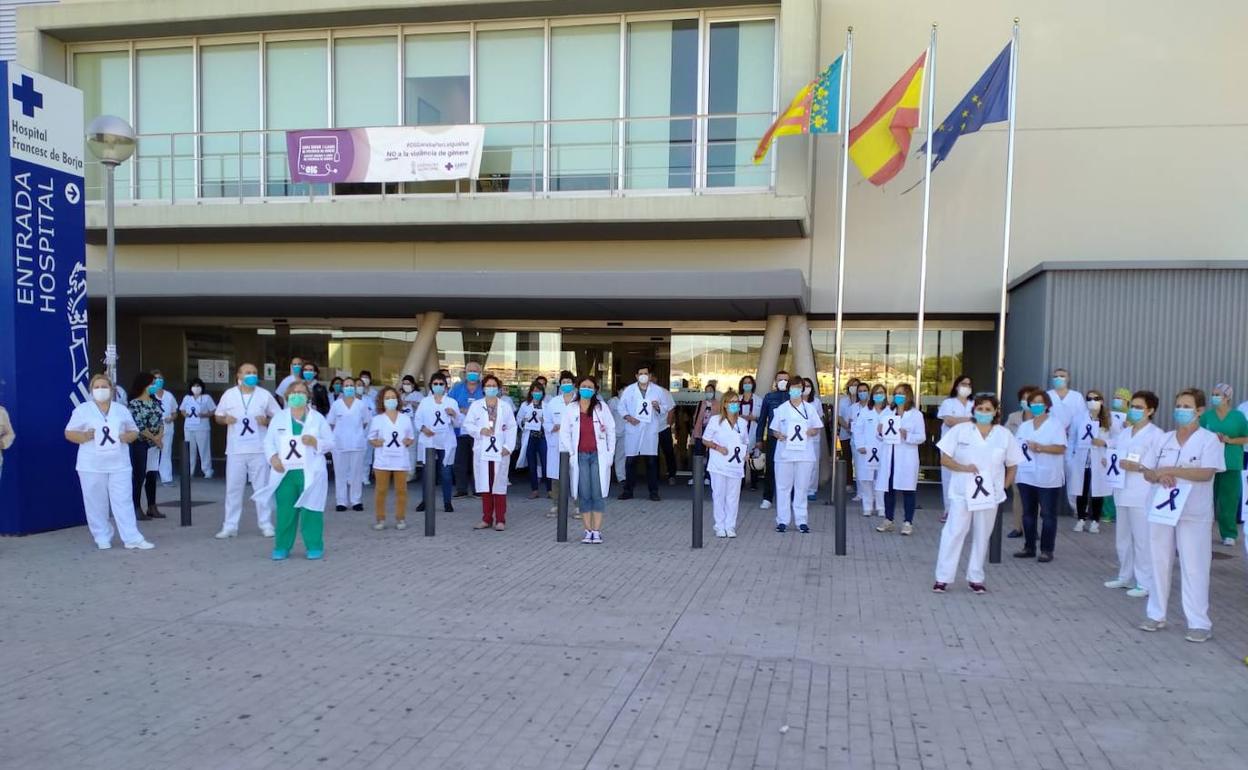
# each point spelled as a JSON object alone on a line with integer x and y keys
{"x": 994, "y": 540}
{"x": 840, "y": 472}
{"x": 699, "y": 497}
{"x": 431, "y": 491}
{"x": 185, "y": 466}
{"x": 565, "y": 493}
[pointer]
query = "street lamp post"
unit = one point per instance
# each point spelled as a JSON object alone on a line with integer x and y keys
{"x": 112, "y": 141}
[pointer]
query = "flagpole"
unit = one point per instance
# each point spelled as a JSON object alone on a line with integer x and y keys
{"x": 843, "y": 119}
{"x": 1009, "y": 209}
{"x": 927, "y": 205}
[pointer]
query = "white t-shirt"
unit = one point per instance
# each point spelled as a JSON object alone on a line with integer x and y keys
{"x": 392, "y": 454}
{"x": 737, "y": 441}
{"x": 198, "y": 411}
{"x": 246, "y": 436}
{"x": 967, "y": 446}
{"x": 285, "y": 384}
{"x": 793, "y": 423}
{"x": 350, "y": 424}
{"x": 1202, "y": 450}
{"x": 168, "y": 406}
{"x": 951, "y": 407}
{"x": 105, "y": 453}
{"x": 1044, "y": 470}
{"x": 1136, "y": 490}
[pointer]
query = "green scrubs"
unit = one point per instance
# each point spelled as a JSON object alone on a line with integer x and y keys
{"x": 290, "y": 518}
{"x": 1227, "y": 486}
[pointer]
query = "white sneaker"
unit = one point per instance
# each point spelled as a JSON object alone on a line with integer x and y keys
{"x": 1228, "y": 542}
{"x": 104, "y": 546}
{"x": 1116, "y": 583}
{"x": 267, "y": 531}
{"x": 589, "y": 537}
{"x": 907, "y": 528}
{"x": 857, "y": 498}
{"x": 1137, "y": 593}
{"x": 866, "y": 513}
{"x": 721, "y": 533}
{"x": 1079, "y": 525}
{"x": 401, "y": 525}
{"x": 1094, "y": 527}
{"x": 880, "y": 513}
{"x": 707, "y": 481}
{"x": 379, "y": 526}
{"x": 226, "y": 534}
{"x": 732, "y": 533}
{"x": 597, "y": 538}
{"x": 690, "y": 482}
{"x": 142, "y": 545}
{"x": 765, "y": 504}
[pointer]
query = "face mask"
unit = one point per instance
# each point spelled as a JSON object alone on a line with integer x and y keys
{"x": 1183, "y": 415}
{"x": 795, "y": 393}
{"x": 806, "y": 391}
{"x": 899, "y": 398}
{"x": 365, "y": 381}
{"x": 309, "y": 375}
{"x": 391, "y": 403}
{"x": 251, "y": 380}
{"x": 734, "y": 408}
{"x": 438, "y": 389}
{"x": 295, "y": 369}
{"x": 1216, "y": 400}
{"x": 537, "y": 395}
{"x": 1059, "y": 383}
{"x": 101, "y": 395}
{"x": 159, "y": 384}
{"x": 566, "y": 387}
{"x": 337, "y": 387}
{"x": 747, "y": 387}
{"x": 709, "y": 395}
{"x": 586, "y": 393}
{"x": 1094, "y": 407}
{"x": 152, "y": 389}
{"x": 491, "y": 392}
{"x": 1135, "y": 415}
{"x": 196, "y": 390}
{"x": 297, "y": 400}
{"x": 1037, "y": 409}
{"x": 984, "y": 418}
{"x": 408, "y": 387}
{"x": 1026, "y": 407}
{"x": 643, "y": 379}
{"x": 964, "y": 391}
{"x": 782, "y": 384}
{"x": 862, "y": 395}
{"x": 878, "y": 398}
{"x": 349, "y": 391}
{"x": 1119, "y": 405}
{"x": 473, "y": 376}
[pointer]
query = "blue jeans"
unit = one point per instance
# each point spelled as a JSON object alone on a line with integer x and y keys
{"x": 890, "y": 500}
{"x": 589, "y": 496}
{"x": 536, "y": 455}
{"x": 1043, "y": 500}
{"x": 443, "y": 478}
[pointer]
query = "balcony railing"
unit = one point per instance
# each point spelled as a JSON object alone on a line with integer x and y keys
{"x": 691, "y": 154}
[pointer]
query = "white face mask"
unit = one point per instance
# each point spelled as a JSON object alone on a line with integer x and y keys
{"x": 101, "y": 395}
{"x": 1094, "y": 407}
{"x": 365, "y": 381}
{"x": 407, "y": 387}
{"x": 642, "y": 379}
{"x": 196, "y": 390}
{"x": 964, "y": 391}
{"x": 782, "y": 384}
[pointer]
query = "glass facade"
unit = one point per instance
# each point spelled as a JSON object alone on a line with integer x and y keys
{"x": 165, "y": 165}
{"x": 662, "y": 81}
{"x": 366, "y": 81}
{"x": 741, "y": 79}
{"x": 229, "y": 103}
{"x": 584, "y": 78}
{"x": 297, "y": 97}
{"x": 509, "y": 89}
{"x": 105, "y": 82}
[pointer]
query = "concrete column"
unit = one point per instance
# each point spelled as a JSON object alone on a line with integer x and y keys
{"x": 426, "y": 340}
{"x": 769, "y": 356}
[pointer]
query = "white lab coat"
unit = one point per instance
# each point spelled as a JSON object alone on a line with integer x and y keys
{"x": 427, "y": 414}
{"x": 643, "y": 438}
{"x": 867, "y": 465}
{"x": 1078, "y": 458}
{"x": 604, "y": 442}
{"x": 736, "y": 439}
{"x": 902, "y": 460}
{"x": 527, "y": 416}
{"x": 315, "y": 476}
{"x": 505, "y": 430}
{"x": 1071, "y": 412}
{"x": 350, "y": 424}
{"x": 553, "y": 419}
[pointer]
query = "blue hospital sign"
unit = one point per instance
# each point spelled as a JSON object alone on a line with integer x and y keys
{"x": 44, "y": 365}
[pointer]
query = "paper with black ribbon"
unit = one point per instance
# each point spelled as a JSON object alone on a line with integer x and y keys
{"x": 293, "y": 453}
{"x": 890, "y": 430}
{"x": 1087, "y": 432}
{"x": 491, "y": 448}
{"x": 1029, "y": 459}
{"x": 977, "y": 489}
{"x": 1167, "y": 503}
{"x": 1115, "y": 476}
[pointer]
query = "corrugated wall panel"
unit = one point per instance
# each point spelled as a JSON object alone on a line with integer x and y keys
{"x": 1026, "y": 336}
{"x": 8, "y": 26}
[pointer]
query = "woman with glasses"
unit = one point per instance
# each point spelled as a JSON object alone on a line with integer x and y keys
{"x": 901, "y": 434}
{"x": 1132, "y": 492}
{"x": 1086, "y": 485}
{"x": 1041, "y": 476}
{"x": 492, "y": 426}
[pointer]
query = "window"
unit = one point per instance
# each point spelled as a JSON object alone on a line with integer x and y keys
{"x": 436, "y": 87}
{"x": 741, "y": 75}
{"x": 105, "y": 82}
{"x": 662, "y": 81}
{"x": 165, "y": 165}
{"x": 510, "y": 66}
{"x": 584, "y": 83}
{"x": 296, "y": 97}
{"x": 366, "y": 82}
{"x": 230, "y": 102}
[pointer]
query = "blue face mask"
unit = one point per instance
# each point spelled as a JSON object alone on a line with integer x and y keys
{"x": 734, "y": 408}
{"x": 862, "y": 395}
{"x": 349, "y": 391}
{"x": 899, "y": 398}
{"x": 1184, "y": 415}
{"x": 795, "y": 393}
{"x": 309, "y": 375}
{"x": 984, "y": 418}
{"x": 1025, "y": 406}
{"x": 566, "y": 387}
{"x": 474, "y": 376}
{"x": 1059, "y": 383}
{"x": 709, "y": 395}
{"x": 878, "y": 398}
{"x": 337, "y": 387}
{"x": 537, "y": 395}
{"x": 1119, "y": 404}
{"x": 159, "y": 383}
{"x": 1135, "y": 415}
{"x": 295, "y": 369}
{"x": 586, "y": 393}
{"x": 297, "y": 400}
{"x": 1216, "y": 400}
{"x": 747, "y": 387}
{"x": 251, "y": 380}
{"x": 491, "y": 392}
{"x": 438, "y": 389}
{"x": 1037, "y": 409}
{"x": 152, "y": 390}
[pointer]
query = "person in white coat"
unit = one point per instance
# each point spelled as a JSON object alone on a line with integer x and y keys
{"x": 492, "y": 425}
{"x": 587, "y": 433}
{"x": 410, "y": 397}
{"x": 1041, "y": 476}
{"x": 436, "y": 419}
{"x": 1132, "y": 492}
{"x": 845, "y": 430}
{"x": 245, "y": 410}
{"x": 727, "y": 441}
{"x": 751, "y": 408}
{"x": 1086, "y": 485}
{"x": 533, "y": 441}
{"x": 296, "y": 375}
{"x": 796, "y": 426}
{"x": 1067, "y": 406}
{"x": 645, "y": 407}
{"x": 901, "y": 434}
{"x": 296, "y": 444}
{"x": 869, "y": 450}
{"x": 621, "y": 460}
{"x": 197, "y": 409}
{"x": 953, "y": 411}
{"x": 982, "y": 457}
{"x": 102, "y": 429}
{"x": 390, "y": 434}
{"x": 161, "y": 459}
{"x": 552, "y": 414}
{"x": 349, "y": 418}
{"x": 1181, "y": 515}
{"x": 860, "y": 402}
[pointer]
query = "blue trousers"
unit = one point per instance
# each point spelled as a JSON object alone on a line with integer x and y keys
{"x": 536, "y": 458}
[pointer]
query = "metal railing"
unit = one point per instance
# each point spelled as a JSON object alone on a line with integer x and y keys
{"x": 692, "y": 154}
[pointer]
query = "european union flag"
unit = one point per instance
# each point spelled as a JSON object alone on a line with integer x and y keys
{"x": 988, "y": 101}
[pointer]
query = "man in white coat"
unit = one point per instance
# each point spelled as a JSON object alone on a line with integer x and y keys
{"x": 245, "y": 410}
{"x": 296, "y": 375}
{"x": 644, "y": 406}
{"x": 1068, "y": 405}
{"x": 169, "y": 406}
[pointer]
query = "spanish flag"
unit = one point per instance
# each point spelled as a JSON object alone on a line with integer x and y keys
{"x": 815, "y": 110}
{"x": 878, "y": 145}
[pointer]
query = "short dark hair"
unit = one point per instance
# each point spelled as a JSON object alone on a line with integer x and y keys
{"x": 140, "y": 383}
{"x": 1042, "y": 393}
{"x": 953, "y": 390}
{"x": 437, "y": 377}
{"x": 493, "y": 377}
{"x": 566, "y": 375}
{"x": 643, "y": 365}
{"x": 986, "y": 398}
{"x": 194, "y": 381}
{"x": 1024, "y": 393}
{"x": 1197, "y": 395}
{"x": 363, "y": 373}
{"x": 1148, "y": 397}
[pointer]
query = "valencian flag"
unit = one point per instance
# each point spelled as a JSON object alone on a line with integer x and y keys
{"x": 815, "y": 110}
{"x": 988, "y": 101}
{"x": 878, "y": 145}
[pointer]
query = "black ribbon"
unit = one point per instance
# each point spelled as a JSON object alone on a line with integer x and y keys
{"x": 294, "y": 450}
{"x": 394, "y": 438}
{"x": 437, "y": 419}
{"x": 875, "y": 456}
{"x": 108, "y": 438}
{"x": 193, "y": 413}
{"x": 891, "y": 428}
{"x": 736, "y": 455}
{"x": 1025, "y": 452}
{"x": 533, "y": 417}
{"x": 1174, "y": 493}
{"x": 247, "y": 427}
{"x": 1113, "y": 465}
{"x": 797, "y": 433}
{"x": 493, "y": 447}
{"x": 1087, "y": 431}
{"x": 979, "y": 488}
{"x": 645, "y": 408}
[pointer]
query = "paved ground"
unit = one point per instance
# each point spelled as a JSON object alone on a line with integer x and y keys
{"x": 488, "y": 650}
